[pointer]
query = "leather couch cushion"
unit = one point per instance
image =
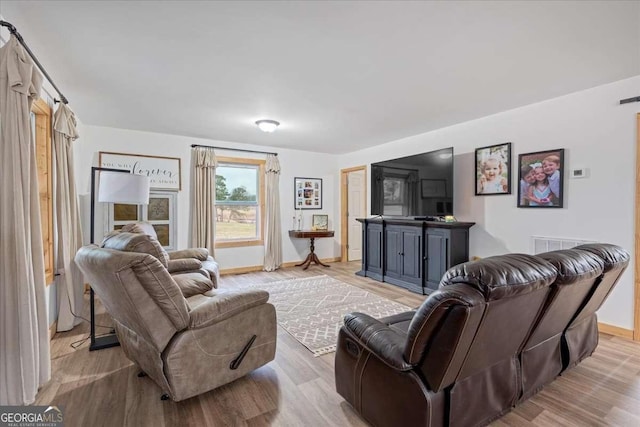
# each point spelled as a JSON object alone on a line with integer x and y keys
{"x": 200, "y": 254}
{"x": 135, "y": 242}
{"x": 574, "y": 265}
{"x": 225, "y": 305}
{"x": 612, "y": 255}
{"x": 140, "y": 227}
{"x": 503, "y": 276}
{"x": 184, "y": 265}
{"x": 399, "y": 322}
{"x": 193, "y": 284}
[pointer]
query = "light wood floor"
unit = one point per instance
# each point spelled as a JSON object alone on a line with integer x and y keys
{"x": 101, "y": 388}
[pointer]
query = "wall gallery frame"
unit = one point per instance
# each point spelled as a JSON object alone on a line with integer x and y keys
{"x": 307, "y": 193}
{"x": 493, "y": 170}
{"x": 540, "y": 180}
{"x": 163, "y": 172}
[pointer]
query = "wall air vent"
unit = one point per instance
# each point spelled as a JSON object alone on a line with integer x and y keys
{"x": 540, "y": 244}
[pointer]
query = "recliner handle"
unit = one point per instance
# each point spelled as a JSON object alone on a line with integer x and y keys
{"x": 235, "y": 363}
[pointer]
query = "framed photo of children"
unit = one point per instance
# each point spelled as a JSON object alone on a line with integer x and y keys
{"x": 308, "y": 193}
{"x": 540, "y": 182}
{"x": 493, "y": 170}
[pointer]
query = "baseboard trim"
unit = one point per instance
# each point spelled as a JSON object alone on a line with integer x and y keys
{"x": 52, "y": 329}
{"x": 253, "y": 268}
{"x": 615, "y": 330}
{"x": 240, "y": 270}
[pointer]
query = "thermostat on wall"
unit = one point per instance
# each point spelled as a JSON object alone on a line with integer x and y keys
{"x": 580, "y": 173}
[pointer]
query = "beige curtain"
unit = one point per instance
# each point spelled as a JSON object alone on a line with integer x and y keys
{"x": 203, "y": 193}
{"x": 272, "y": 232}
{"x": 70, "y": 282}
{"x": 24, "y": 335}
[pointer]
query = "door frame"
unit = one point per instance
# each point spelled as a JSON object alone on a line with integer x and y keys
{"x": 636, "y": 305}
{"x": 344, "y": 205}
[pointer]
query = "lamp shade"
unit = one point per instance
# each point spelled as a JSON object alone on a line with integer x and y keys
{"x": 128, "y": 188}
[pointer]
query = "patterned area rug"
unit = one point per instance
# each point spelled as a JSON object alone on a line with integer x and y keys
{"x": 311, "y": 309}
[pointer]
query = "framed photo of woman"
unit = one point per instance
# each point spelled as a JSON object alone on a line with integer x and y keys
{"x": 540, "y": 180}
{"x": 493, "y": 170}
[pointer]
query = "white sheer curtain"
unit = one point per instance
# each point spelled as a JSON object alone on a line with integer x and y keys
{"x": 273, "y": 233}
{"x": 70, "y": 283}
{"x": 203, "y": 193}
{"x": 24, "y": 335}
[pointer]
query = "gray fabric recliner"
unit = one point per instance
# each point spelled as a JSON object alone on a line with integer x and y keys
{"x": 186, "y": 345}
{"x": 182, "y": 261}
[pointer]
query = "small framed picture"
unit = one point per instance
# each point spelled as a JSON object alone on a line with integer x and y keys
{"x": 307, "y": 193}
{"x": 540, "y": 181}
{"x": 320, "y": 222}
{"x": 493, "y": 170}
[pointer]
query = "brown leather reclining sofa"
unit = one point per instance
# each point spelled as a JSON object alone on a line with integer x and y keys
{"x": 495, "y": 332}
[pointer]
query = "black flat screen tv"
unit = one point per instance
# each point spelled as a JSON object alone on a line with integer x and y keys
{"x": 418, "y": 186}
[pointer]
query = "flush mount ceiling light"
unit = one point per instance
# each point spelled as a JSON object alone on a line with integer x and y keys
{"x": 267, "y": 125}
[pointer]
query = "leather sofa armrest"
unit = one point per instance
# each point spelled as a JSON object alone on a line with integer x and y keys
{"x": 224, "y": 306}
{"x": 184, "y": 264}
{"x": 378, "y": 338}
{"x": 200, "y": 254}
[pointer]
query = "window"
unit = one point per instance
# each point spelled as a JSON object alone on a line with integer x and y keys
{"x": 239, "y": 202}
{"x": 41, "y": 128}
{"x": 160, "y": 212}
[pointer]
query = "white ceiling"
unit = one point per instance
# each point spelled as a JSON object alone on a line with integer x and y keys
{"x": 339, "y": 76}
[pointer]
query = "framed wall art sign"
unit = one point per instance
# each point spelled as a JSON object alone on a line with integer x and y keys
{"x": 307, "y": 193}
{"x": 320, "y": 222}
{"x": 161, "y": 212}
{"x": 540, "y": 181}
{"x": 493, "y": 170}
{"x": 163, "y": 172}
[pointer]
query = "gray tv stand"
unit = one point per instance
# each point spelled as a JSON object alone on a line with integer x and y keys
{"x": 410, "y": 253}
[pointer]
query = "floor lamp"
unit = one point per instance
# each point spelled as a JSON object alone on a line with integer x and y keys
{"x": 114, "y": 186}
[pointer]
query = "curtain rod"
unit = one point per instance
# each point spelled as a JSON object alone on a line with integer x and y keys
{"x": 234, "y": 149}
{"x": 17, "y": 35}
{"x": 629, "y": 100}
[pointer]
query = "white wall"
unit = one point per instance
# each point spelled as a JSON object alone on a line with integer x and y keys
{"x": 591, "y": 126}
{"x": 293, "y": 163}
{"x": 595, "y": 131}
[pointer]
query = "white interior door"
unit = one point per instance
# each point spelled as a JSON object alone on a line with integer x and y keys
{"x": 356, "y": 205}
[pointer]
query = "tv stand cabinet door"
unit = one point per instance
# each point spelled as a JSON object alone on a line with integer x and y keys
{"x": 374, "y": 251}
{"x": 403, "y": 256}
{"x": 393, "y": 252}
{"x": 412, "y": 256}
{"x": 436, "y": 257}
